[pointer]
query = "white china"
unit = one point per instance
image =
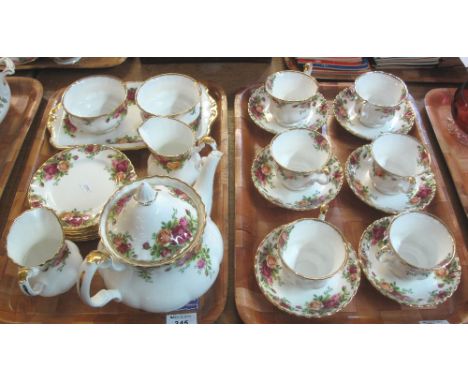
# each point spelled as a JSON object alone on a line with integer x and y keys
{"x": 23, "y": 60}
{"x": 76, "y": 183}
{"x": 162, "y": 249}
{"x": 174, "y": 148}
{"x": 358, "y": 169}
{"x": 292, "y": 297}
{"x": 36, "y": 243}
{"x": 125, "y": 136}
{"x": 397, "y": 160}
{"x": 268, "y": 184}
{"x": 5, "y": 92}
{"x": 344, "y": 108}
{"x": 418, "y": 293}
{"x": 312, "y": 251}
{"x": 379, "y": 94}
{"x": 291, "y": 94}
{"x": 96, "y": 104}
{"x": 171, "y": 95}
{"x": 418, "y": 244}
{"x": 300, "y": 157}
{"x": 66, "y": 60}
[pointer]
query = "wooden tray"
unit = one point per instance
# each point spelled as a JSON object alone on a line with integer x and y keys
{"x": 450, "y": 70}
{"x": 438, "y": 104}
{"x": 84, "y": 63}
{"x": 68, "y": 308}
{"x": 255, "y": 217}
{"x": 26, "y": 95}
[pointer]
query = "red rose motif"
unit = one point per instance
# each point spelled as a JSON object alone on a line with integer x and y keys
{"x": 378, "y": 234}
{"x": 423, "y": 192}
{"x": 332, "y": 302}
{"x": 51, "y": 170}
{"x": 146, "y": 245}
{"x": 260, "y": 176}
{"x": 201, "y": 264}
{"x": 131, "y": 94}
{"x": 120, "y": 165}
{"x": 123, "y": 247}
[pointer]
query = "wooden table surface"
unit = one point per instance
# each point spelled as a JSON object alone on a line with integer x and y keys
{"x": 231, "y": 76}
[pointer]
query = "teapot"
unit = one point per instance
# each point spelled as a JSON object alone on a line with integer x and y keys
{"x": 5, "y": 92}
{"x": 161, "y": 248}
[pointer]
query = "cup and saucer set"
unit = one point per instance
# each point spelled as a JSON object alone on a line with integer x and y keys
{"x": 307, "y": 268}
{"x": 74, "y": 194}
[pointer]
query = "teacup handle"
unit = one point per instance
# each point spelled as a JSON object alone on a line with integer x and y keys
{"x": 323, "y": 211}
{"x": 308, "y": 68}
{"x": 94, "y": 261}
{"x": 322, "y": 178}
{"x": 384, "y": 254}
{"x": 24, "y": 276}
{"x": 206, "y": 140}
{"x": 409, "y": 188}
{"x": 9, "y": 66}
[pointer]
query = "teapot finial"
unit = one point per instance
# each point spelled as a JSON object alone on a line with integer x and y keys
{"x": 145, "y": 194}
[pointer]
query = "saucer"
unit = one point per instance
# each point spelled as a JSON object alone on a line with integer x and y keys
{"x": 259, "y": 112}
{"x": 289, "y": 297}
{"x": 125, "y": 136}
{"x": 427, "y": 293}
{"x": 357, "y": 171}
{"x": 343, "y": 108}
{"x": 76, "y": 184}
{"x": 188, "y": 173}
{"x": 263, "y": 173}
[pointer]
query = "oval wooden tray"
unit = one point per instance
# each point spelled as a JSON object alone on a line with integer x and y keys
{"x": 68, "y": 308}
{"x": 255, "y": 217}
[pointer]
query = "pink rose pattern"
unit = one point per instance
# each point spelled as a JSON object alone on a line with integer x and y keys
{"x": 58, "y": 261}
{"x": 55, "y": 168}
{"x": 121, "y": 170}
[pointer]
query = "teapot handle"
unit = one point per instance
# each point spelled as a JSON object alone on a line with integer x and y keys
{"x": 92, "y": 262}
{"x": 9, "y": 66}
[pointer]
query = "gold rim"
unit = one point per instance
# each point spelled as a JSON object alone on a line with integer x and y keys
{"x": 282, "y": 308}
{"x": 94, "y": 76}
{"x": 330, "y": 275}
{"x": 383, "y": 209}
{"x": 62, "y": 243}
{"x": 329, "y": 151}
{"x": 361, "y": 262}
{"x": 196, "y": 83}
{"x": 275, "y": 202}
{"x": 406, "y": 136}
{"x": 97, "y": 215}
{"x": 444, "y": 263}
{"x": 201, "y": 214}
{"x": 344, "y": 125}
{"x": 386, "y": 74}
{"x": 292, "y": 101}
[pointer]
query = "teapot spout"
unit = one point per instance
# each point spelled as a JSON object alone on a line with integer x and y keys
{"x": 204, "y": 183}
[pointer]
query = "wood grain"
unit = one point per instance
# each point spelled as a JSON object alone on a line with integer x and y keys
{"x": 84, "y": 63}
{"x": 68, "y": 308}
{"x": 26, "y": 95}
{"x": 451, "y": 70}
{"x": 438, "y": 106}
{"x": 255, "y": 217}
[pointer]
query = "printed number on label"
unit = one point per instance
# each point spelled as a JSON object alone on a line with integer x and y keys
{"x": 185, "y": 318}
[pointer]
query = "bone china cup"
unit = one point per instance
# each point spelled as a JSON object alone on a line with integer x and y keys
{"x": 171, "y": 95}
{"x": 312, "y": 251}
{"x": 300, "y": 157}
{"x": 397, "y": 160}
{"x": 379, "y": 95}
{"x": 172, "y": 142}
{"x": 291, "y": 96}
{"x": 418, "y": 244}
{"x": 49, "y": 264}
{"x": 96, "y": 104}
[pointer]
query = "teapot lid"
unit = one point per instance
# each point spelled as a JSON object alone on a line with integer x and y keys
{"x": 153, "y": 221}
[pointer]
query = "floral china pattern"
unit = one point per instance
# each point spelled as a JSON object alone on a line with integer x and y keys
{"x": 343, "y": 108}
{"x": 171, "y": 164}
{"x": 263, "y": 173}
{"x": 427, "y": 293}
{"x": 258, "y": 109}
{"x": 417, "y": 198}
{"x": 55, "y": 168}
{"x": 58, "y": 261}
{"x": 77, "y": 219}
{"x": 319, "y": 302}
{"x": 121, "y": 170}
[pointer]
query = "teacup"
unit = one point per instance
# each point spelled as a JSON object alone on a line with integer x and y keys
{"x": 173, "y": 144}
{"x": 291, "y": 94}
{"x": 49, "y": 264}
{"x": 418, "y": 244}
{"x": 171, "y": 95}
{"x": 301, "y": 157}
{"x": 5, "y": 92}
{"x": 397, "y": 160}
{"x": 312, "y": 251}
{"x": 379, "y": 95}
{"x": 96, "y": 104}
